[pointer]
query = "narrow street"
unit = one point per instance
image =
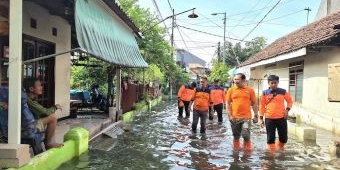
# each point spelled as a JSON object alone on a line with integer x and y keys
{"x": 158, "y": 140}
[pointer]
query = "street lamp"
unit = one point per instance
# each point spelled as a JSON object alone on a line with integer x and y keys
{"x": 192, "y": 15}
{"x": 224, "y": 24}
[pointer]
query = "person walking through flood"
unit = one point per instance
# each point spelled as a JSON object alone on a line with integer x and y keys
{"x": 201, "y": 102}
{"x": 184, "y": 96}
{"x": 218, "y": 99}
{"x": 239, "y": 99}
{"x": 272, "y": 107}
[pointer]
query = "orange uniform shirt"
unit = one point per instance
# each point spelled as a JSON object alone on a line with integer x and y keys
{"x": 272, "y": 103}
{"x": 217, "y": 95}
{"x": 241, "y": 99}
{"x": 185, "y": 93}
{"x": 201, "y": 99}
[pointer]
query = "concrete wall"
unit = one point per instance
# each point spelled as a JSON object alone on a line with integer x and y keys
{"x": 327, "y": 7}
{"x": 315, "y": 108}
{"x": 62, "y": 41}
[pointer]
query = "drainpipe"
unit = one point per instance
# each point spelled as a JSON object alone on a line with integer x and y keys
{"x": 15, "y": 71}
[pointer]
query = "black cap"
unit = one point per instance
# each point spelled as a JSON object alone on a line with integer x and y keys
{"x": 216, "y": 80}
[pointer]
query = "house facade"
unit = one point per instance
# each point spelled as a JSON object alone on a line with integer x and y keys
{"x": 308, "y": 64}
{"x": 48, "y": 28}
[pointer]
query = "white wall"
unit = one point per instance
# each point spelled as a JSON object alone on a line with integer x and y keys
{"x": 62, "y": 41}
{"x": 315, "y": 108}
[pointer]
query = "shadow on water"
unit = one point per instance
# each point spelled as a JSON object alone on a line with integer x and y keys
{"x": 159, "y": 140}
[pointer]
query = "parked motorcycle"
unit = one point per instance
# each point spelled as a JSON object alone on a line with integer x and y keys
{"x": 98, "y": 99}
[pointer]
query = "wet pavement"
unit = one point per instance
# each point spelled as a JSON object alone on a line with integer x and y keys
{"x": 159, "y": 140}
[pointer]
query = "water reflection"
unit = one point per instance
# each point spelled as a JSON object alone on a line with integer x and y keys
{"x": 159, "y": 140}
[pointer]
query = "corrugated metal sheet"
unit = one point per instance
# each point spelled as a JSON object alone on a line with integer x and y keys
{"x": 104, "y": 36}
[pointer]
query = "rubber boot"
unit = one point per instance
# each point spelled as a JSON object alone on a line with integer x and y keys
{"x": 279, "y": 145}
{"x": 236, "y": 144}
{"x": 247, "y": 145}
{"x": 271, "y": 147}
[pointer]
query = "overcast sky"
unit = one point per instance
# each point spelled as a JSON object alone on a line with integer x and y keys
{"x": 242, "y": 16}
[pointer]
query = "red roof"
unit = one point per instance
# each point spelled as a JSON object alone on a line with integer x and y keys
{"x": 313, "y": 33}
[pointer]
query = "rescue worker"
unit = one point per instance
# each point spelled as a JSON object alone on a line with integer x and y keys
{"x": 201, "y": 103}
{"x": 184, "y": 96}
{"x": 272, "y": 107}
{"x": 239, "y": 99}
{"x": 218, "y": 99}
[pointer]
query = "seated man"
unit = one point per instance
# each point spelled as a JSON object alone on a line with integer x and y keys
{"x": 46, "y": 120}
{"x": 29, "y": 134}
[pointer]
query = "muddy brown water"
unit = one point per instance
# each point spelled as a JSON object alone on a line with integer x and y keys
{"x": 159, "y": 140}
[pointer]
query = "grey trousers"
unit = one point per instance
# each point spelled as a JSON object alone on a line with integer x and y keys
{"x": 241, "y": 127}
{"x": 197, "y": 114}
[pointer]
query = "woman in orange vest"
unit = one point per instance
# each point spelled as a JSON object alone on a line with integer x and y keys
{"x": 272, "y": 106}
{"x": 184, "y": 96}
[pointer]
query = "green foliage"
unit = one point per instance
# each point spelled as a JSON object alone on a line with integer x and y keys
{"x": 82, "y": 77}
{"x": 236, "y": 53}
{"x": 219, "y": 71}
{"x": 153, "y": 46}
{"x": 139, "y": 105}
{"x": 150, "y": 74}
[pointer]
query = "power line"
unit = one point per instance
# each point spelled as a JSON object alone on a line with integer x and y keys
{"x": 182, "y": 37}
{"x": 191, "y": 40}
{"x": 160, "y": 16}
{"x": 212, "y": 34}
{"x": 261, "y": 20}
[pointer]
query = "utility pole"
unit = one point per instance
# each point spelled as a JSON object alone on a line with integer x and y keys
{"x": 218, "y": 53}
{"x": 224, "y": 27}
{"x": 224, "y": 49}
{"x": 172, "y": 50}
{"x": 308, "y": 10}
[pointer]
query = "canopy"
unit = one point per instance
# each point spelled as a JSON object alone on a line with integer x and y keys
{"x": 103, "y": 34}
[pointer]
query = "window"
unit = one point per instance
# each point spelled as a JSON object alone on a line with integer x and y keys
{"x": 42, "y": 69}
{"x": 333, "y": 82}
{"x": 296, "y": 80}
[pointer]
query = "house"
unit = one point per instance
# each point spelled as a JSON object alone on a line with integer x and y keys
{"x": 38, "y": 42}
{"x": 308, "y": 64}
{"x": 192, "y": 64}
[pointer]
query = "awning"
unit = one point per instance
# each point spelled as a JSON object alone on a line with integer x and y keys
{"x": 101, "y": 33}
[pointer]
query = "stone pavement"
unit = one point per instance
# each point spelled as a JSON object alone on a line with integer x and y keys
{"x": 94, "y": 123}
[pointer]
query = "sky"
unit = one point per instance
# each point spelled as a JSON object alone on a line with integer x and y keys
{"x": 279, "y": 18}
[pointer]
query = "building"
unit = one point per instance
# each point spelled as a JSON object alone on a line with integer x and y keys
{"x": 308, "y": 64}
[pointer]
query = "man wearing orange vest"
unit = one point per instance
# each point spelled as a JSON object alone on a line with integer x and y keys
{"x": 184, "y": 96}
{"x": 239, "y": 99}
{"x": 218, "y": 99}
{"x": 272, "y": 106}
{"x": 202, "y": 102}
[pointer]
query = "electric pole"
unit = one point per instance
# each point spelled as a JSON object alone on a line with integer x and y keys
{"x": 308, "y": 10}
{"x": 218, "y": 53}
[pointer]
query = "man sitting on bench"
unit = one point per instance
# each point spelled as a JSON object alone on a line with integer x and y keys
{"x": 46, "y": 119}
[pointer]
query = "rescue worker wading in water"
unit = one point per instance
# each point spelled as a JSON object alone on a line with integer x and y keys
{"x": 272, "y": 107}
{"x": 201, "y": 101}
{"x": 184, "y": 96}
{"x": 239, "y": 99}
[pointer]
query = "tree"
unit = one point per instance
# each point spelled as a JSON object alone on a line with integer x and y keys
{"x": 219, "y": 71}
{"x": 153, "y": 46}
{"x": 236, "y": 54}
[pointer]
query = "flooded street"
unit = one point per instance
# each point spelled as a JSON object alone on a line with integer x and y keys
{"x": 158, "y": 140}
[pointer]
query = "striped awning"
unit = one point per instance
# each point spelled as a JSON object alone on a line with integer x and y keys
{"x": 103, "y": 34}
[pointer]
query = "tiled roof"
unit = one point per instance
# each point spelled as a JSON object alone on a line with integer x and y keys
{"x": 313, "y": 33}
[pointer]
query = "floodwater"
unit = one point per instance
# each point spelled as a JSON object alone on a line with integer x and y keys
{"x": 159, "y": 140}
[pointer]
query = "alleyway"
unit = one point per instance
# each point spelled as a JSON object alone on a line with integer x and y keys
{"x": 158, "y": 140}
